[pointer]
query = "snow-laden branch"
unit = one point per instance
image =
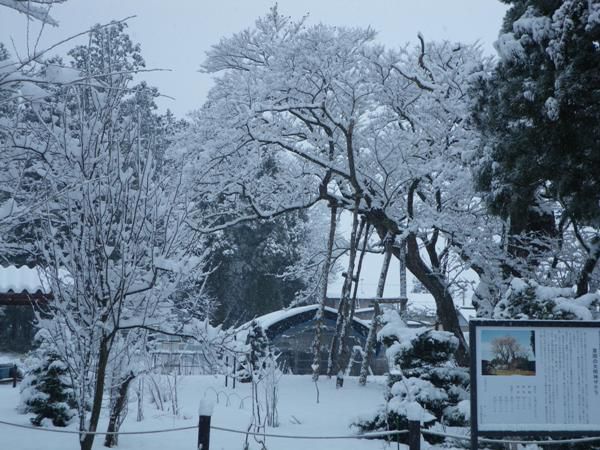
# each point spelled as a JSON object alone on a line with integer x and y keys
{"x": 31, "y": 9}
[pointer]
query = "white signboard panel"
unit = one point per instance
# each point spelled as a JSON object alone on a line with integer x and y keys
{"x": 536, "y": 376}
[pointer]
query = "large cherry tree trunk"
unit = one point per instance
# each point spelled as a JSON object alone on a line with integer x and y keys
{"x": 429, "y": 275}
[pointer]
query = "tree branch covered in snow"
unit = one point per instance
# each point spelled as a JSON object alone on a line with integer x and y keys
{"x": 34, "y": 9}
{"x": 349, "y": 123}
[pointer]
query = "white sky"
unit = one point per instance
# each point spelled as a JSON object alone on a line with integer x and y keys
{"x": 175, "y": 34}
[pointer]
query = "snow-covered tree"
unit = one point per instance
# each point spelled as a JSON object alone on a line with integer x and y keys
{"x": 527, "y": 299}
{"x": 380, "y": 133}
{"x": 537, "y": 112}
{"x": 259, "y": 351}
{"x": 424, "y": 382}
{"x": 110, "y": 214}
{"x": 34, "y": 9}
{"x": 47, "y": 389}
{"x": 250, "y": 261}
{"x": 323, "y": 271}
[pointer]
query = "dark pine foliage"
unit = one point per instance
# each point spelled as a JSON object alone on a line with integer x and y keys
{"x": 539, "y": 112}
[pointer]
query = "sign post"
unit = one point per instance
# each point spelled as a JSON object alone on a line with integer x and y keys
{"x": 534, "y": 377}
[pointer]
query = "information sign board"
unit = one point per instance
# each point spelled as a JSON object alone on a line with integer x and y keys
{"x": 535, "y": 377}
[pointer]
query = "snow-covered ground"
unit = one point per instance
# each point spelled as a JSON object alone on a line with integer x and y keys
{"x": 299, "y": 414}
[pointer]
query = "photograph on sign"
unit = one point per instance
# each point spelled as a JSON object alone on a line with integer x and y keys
{"x": 537, "y": 378}
{"x": 508, "y": 352}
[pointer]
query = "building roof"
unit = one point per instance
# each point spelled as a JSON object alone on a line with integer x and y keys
{"x": 277, "y": 322}
{"x": 19, "y": 285}
{"x": 23, "y": 279}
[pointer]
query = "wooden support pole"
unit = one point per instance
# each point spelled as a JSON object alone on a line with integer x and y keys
{"x": 414, "y": 435}
{"x": 474, "y": 445}
{"x": 204, "y": 433}
{"x": 205, "y": 411}
{"x": 15, "y": 371}
{"x": 234, "y": 376}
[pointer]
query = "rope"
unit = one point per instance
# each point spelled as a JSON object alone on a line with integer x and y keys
{"x": 289, "y": 436}
{"x": 53, "y": 430}
{"x": 195, "y": 427}
{"x": 512, "y": 441}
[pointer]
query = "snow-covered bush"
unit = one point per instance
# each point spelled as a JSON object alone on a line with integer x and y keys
{"x": 424, "y": 382}
{"x": 255, "y": 360}
{"x": 46, "y": 390}
{"x": 526, "y": 299}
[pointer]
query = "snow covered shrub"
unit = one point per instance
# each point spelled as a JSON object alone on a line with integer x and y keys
{"x": 259, "y": 350}
{"x": 526, "y": 299}
{"x": 424, "y": 382}
{"x": 46, "y": 389}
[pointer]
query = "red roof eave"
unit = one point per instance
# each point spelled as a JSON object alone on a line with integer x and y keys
{"x": 23, "y": 298}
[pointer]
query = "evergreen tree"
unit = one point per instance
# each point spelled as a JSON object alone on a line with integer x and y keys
{"x": 423, "y": 379}
{"x": 46, "y": 390}
{"x": 538, "y": 112}
{"x": 259, "y": 351}
{"x": 249, "y": 259}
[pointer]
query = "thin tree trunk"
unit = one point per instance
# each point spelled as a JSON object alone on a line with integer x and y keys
{"x": 140, "y": 400}
{"x": 360, "y": 263}
{"x": 344, "y": 350}
{"x": 87, "y": 442}
{"x": 402, "y": 265}
{"x": 316, "y": 345}
{"x": 334, "y": 339}
{"x": 372, "y": 336}
{"x": 344, "y": 309}
{"x": 116, "y": 413}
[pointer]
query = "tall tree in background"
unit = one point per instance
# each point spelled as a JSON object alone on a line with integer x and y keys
{"x": 249, "y": 260}
{"x": 538, "y": 112}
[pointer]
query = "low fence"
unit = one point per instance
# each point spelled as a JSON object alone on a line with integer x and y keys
{"x": 414, "y": 433}
{"x": 10, "y": 374}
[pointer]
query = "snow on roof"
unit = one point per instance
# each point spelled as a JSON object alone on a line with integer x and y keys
{"x": 22, "y": 279}
{"x": 417, "y": 301}
{"x": 274, "y": 317}
{"x": 277, "y": 316}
